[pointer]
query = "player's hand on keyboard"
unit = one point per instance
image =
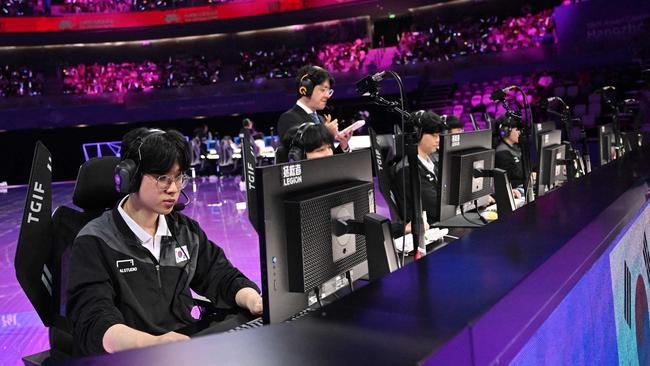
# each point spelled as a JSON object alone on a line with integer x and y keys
{"x": 255, "y": 305}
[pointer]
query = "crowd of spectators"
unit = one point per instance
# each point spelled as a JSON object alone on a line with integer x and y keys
{"x": 444, "y": 41}
{"x": 20, "y": 82}
{"x": 175, "y": 72}
{"x": 282, "y": 63}
{"x": 17, "y": 8}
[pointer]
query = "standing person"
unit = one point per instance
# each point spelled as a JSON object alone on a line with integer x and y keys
{"x": 314, "y": 89}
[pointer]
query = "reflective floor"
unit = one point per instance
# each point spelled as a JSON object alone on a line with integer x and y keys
{"x": 215, "y": 206}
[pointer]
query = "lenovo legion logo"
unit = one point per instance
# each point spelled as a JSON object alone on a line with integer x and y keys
{"x": 291, "y": 174}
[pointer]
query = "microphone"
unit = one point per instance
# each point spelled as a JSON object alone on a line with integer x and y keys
{"x": 606, "y": 89}
{"x": 181, "y": 206}
{"x": 557, "y": 99}
{"x": 378, "y": 77}
{"x": 499, "y": 95}
{"x": 369, "y": 85}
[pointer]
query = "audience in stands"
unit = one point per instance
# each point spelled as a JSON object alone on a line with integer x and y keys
{"x": 175, "y": 72}
{"x": 444, "y": 41}
{"x": 282, "y": 63}
{"x": 20, "y": 82}
{"x": 14, "y": 8}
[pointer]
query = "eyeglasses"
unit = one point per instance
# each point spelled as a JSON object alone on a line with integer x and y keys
{"x": 325, "y": 90}
{"x": 163, "y": 182}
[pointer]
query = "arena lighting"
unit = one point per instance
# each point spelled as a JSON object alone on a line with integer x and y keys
{"x": 200, "y": 117}
{"x": 439, "y": 5}
{"x": 163, "y": 41}
{"x": 81, "y": 125}
{"x": 121, "y": 43}
{"x": 295, "y": 27}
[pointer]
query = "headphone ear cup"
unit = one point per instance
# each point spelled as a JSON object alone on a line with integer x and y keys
{"x": 124, "y": 176}
{"x": 306, "y": 86}
{"x": 295, "y": 154}
{"x": 504, "y": 131}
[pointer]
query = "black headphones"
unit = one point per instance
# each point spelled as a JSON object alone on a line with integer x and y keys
{"x": 504, "y": 129}
{"x": 417, "y": 120}
{"x": 306, "y": 84}
{"x": 126, "y": 174}
{"x": 297, "y": 149}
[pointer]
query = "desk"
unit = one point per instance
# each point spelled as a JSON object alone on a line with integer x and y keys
{"x": 479, "y": 300}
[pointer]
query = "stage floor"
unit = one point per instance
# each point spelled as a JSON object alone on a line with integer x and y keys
{"x": 214, "y": 206}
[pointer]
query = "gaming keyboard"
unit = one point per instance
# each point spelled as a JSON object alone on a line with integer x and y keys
{"x": 257, "y": 322}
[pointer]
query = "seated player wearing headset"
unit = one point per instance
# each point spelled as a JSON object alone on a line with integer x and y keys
{"x": 508, "y": 154}
{"x": 132, "y": 268}
{"x": 430, "y": 129}
{"x": 307, "y": 141}
{"x": 454, "y": 125}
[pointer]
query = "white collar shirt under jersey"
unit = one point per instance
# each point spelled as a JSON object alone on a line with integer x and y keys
{"x": 151, "y": 243}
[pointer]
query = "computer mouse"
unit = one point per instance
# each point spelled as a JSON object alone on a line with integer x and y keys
{"x": 490, "y": 215}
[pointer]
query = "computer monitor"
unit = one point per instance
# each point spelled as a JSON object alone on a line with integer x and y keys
{"x": 296, "y": 203}
{"x": 554, "y": 171}
{"x": 539, "y": 128}
{"x": 460, "y": 154}
{"x": 315, "y": 254}
{"x": 545, "y": 140}
{"x": 606, "y": 147}
{"x": 464, "y": 186}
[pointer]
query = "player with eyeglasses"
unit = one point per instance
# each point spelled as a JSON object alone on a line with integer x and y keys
{"x": 314, "y": 87}
{"x": 133, "y": 268}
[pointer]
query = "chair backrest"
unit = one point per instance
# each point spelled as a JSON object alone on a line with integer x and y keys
{"x": 384, "y": 159}
{"x": 94, "y": 192}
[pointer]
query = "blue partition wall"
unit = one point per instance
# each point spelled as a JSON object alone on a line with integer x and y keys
{"x": 604, "y": 319}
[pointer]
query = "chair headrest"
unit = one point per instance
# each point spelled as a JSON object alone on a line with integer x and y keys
{"x": 386, "y": 145}
{"x": 95, "y": 187}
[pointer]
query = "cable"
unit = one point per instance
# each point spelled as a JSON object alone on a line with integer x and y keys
{"x": 483, "y": 220}
{"x": 529, "y": 125}
{"x": 462, "y": 212}
{"x": 348, "y": 275}
{"x": 318, "y": 298}
{"x": 403, "y": 143}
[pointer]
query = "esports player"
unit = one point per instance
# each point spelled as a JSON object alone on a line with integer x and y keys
{"x": 454, "y": 124}
{"x": 429, "y": 140}
{"x": 132, "y": 268}
{"x": 508, "y": 154}
{"x": 314, "y": 89}
{"x": 307, "y": 141}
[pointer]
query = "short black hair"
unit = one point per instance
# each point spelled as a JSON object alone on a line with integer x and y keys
{"x": 245, "y": 122}
{"x": 159, "y": 151}
{"x": 429, "y": 122}
{"x": 315, "y": 136}
{"x": 507, "y": 121}
{"x": 316, "y": 74}
{"x": 454, "y": 122}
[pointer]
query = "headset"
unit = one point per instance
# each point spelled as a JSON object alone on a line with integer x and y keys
{"x": 504, "y": 129}
{"x": 306, "y": 84}
{"x": 126, "y": 174}
{"x": 417, "y": 120}
{"x": 297, "y": 149}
